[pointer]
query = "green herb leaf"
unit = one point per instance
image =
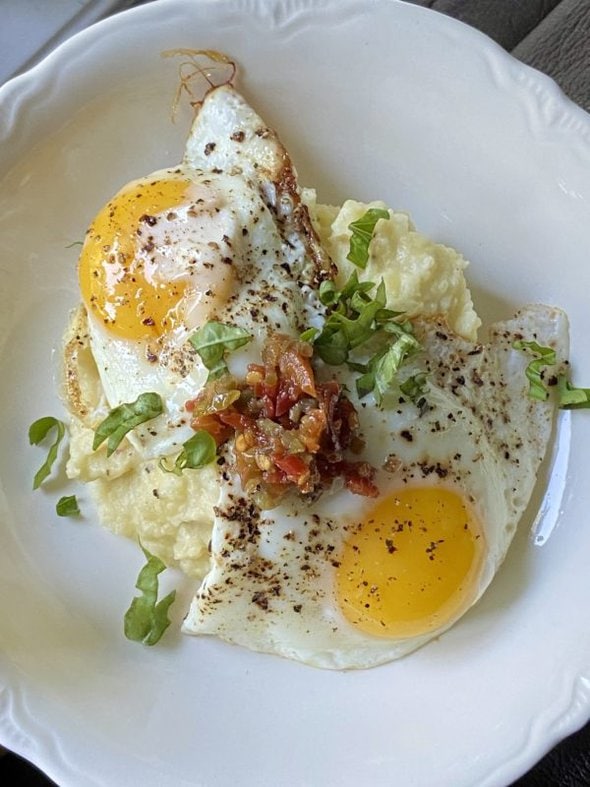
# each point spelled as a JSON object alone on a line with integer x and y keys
{"x": 213, "y": 341}
{"x": 359, "y": 327}
{"x": 365, "y": 384}
{"x": 309, "y": 335}
{"x": 362, "y": 233}
{"x": 38, "y": 431}
{"x": 328, "y": 294}
{"x": 147, "y": 618}
{"x": 198, "y": 451}
{"x": 397, "y": 328}
{"x": 545, "y": 357}
{"x": 126, "y": 417}
{"x": 354, "y": 285}
{"x": 359, "y": 300}
{"x": 75, "y": 243}
{"x": 67, "y": 506}
{"x": 414, "y": 387}
{"x": 360, "y": 324}
{"x": 570, "y": 397}
{"x": 332, "y": 345}
{"x": 383, "y": 367}
{"x": 388, "y": 365}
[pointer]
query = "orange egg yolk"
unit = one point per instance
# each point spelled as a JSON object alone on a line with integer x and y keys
{"x": 118, "y": 276}
{"x": 412, "y": 565}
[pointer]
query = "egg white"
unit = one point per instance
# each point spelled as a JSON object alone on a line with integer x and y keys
{"x": 243, "y": 244}
{"x": 272, "y": 584}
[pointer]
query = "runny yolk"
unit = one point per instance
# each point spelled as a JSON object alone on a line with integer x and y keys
{"x": 118, "y": 276}
{"x": 412, "y": 564}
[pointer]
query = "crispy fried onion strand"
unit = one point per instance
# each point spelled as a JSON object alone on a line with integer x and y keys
{"x": 199, "y": 72}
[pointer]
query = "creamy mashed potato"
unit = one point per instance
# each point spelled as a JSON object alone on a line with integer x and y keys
{"x": 172, "y": 515}
{"x": 207, "y": 430}
{"x": 422, "y": 278}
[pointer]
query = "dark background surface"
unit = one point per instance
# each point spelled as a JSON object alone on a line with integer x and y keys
{"x": 554, "y": 37}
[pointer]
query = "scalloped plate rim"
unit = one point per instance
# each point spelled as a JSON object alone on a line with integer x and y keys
{"x": 22, "y": 88}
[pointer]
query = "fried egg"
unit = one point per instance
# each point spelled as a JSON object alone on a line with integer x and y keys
{"x": 222, "y": 236}
{"x": 348, "y": 582}
{"x": 337, "y": 581}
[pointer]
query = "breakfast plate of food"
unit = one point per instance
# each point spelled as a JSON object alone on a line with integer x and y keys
{"x": 292, "y": 463}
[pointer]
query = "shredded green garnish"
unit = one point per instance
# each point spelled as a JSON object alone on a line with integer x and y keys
{"x": 147, "y": 618}
{"x": 126, "y": 417}
{"x": 198, "y": 451}
{"x": 359, "y": 330}
{"x": 38, "y": 431}
{"x": 362, "y": 333}
{"x": 414, "y": 387}
{"x": 213, "y": 341}
{"x": 362, "y": 233}
{"x": 382, "y": 369}
{"x": 570, "y": 397}
{"x": 534, "y": 371}
{"x": 309, "y": 335}
{"x": 67, "y": 506}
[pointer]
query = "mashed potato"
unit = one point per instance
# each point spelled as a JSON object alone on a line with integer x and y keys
{"x": 421, "y": 277}
{"x": 172, "y": 515}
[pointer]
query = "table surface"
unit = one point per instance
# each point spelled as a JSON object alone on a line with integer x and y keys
{"x": 550, "y": 35}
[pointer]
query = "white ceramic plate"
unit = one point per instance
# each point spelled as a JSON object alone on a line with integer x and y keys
{"x": 374, "y": 100}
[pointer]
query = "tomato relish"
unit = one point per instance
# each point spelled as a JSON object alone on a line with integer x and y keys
{"x": 289, "y": 431}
